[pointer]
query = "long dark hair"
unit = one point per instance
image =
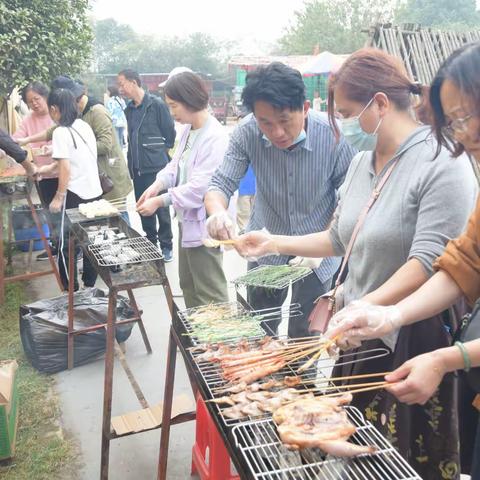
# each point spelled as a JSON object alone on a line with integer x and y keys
{"x": 367, "y": 72}
{"x": 64, "y": 100}
{"x": 462, "y": 68}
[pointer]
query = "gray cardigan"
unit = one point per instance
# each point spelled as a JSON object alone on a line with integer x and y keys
{"x": 425, "y": 202}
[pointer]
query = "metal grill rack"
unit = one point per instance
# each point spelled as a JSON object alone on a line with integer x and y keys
{"x": 268, "y": 459}
{"x": 234, "y": 310}
{"x": 145, "y": 250}
{"x": 294, "y": 275}
{"x": 312, "y": 377}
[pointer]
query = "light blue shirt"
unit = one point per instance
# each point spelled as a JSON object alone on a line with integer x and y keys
{"x": 297, "y": 189}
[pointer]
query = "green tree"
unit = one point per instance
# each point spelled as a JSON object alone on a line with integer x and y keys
{"x": 118, "y": 46}
{"x": 334, "y": 26}
{"x": 444, "y": 14}
{"x": 40, "y": 40}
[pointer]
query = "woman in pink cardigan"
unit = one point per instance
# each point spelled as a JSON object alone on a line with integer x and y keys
{"x": 35, "y": 95}
{"x": 184, "y": 182}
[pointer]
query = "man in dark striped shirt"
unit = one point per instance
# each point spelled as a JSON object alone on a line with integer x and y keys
{"x": 298, "y": 164}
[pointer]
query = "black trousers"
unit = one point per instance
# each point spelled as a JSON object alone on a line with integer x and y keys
{"x": 304, "y": 292}
{"x": 89, "y": 275}
{"x": 149, "y": 224}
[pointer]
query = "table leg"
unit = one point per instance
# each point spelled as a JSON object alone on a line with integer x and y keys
{"x": 46, "y": 246}
{"x": 141, "y": 326}
{"x": 2, "y": 262}
{"x": 167, "y": 407}
{"x": 71, "y": 287}
{"x": 10, "y": 231}
{"x": 108, "y": 384}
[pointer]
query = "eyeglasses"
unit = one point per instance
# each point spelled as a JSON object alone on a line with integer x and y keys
{"x": 459, "y": 125}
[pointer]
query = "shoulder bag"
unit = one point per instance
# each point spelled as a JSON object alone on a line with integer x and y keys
{"x": 325, "y": 305}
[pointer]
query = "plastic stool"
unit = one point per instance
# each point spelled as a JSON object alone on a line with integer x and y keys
{"x": 208, "y": 438}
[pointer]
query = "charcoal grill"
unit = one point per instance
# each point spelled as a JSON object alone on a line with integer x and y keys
{"x": 298, "y": 273}
{"x": 143, "y": 247}
{"x": 268, "y": 459}
{"x": 235, "y": 310}
{"x": 212, "y": 376}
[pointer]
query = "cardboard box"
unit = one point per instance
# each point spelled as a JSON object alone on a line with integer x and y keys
{"x": 8, "y": 408}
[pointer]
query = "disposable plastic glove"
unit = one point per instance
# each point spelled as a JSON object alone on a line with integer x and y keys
{"x": 308, "y": 262}
{"x": 256, "y": 244}
{"x": 361, "y": 321}
{"x": 220, "y": 226}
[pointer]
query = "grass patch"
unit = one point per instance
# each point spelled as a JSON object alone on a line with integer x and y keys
{"x": 41, "y": 452}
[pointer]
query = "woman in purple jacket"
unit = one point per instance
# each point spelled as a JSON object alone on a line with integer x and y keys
{"x": 200, "y": 150}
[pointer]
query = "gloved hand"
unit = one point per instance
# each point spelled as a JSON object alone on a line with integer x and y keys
{"x": 256, "y": 244}
{"x": 308, "y": 262}
{"x": 361, "y": 321}
{"x": 152, "y": 191}
{"x": 220, "y": 226}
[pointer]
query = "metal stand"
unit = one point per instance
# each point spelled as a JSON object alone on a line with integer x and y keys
{"x": 128, "y": 278}
{"x": 8, "y": 200}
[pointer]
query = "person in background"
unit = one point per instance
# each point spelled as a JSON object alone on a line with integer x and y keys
{"x": 35, "y": 95}
{"x": 185, "y": 179}
{"x": 317, "y": 101}
{"x": 455, "y": 100}
{"x": 74, "y": 152}
{"x": 245, "y": 200}
{"x": 109, "y": 153}
{"x": 298, "y": 166}
{"x": 151, "y": 134}
{"x": 425, "y": 201}
{"x": 115, "y": 106}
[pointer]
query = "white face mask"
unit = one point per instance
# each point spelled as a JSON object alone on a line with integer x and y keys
{"x": 356, "y": 136}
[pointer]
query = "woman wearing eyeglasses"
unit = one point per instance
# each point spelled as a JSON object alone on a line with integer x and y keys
{"x": 455, "y": 99}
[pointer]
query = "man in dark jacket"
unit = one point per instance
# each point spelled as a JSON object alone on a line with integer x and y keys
{"x": 151, "y": 134}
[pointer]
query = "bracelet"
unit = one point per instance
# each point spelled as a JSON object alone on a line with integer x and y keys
{"x": 466, "y": 358}
{"x": 61, "y": 194}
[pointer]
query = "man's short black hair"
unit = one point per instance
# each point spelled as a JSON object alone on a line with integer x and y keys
{"x": 131, "y": 75}
{"x": 277, "y": 84}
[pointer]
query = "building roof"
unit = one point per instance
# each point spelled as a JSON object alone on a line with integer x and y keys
{"x": 422, "y": 50}
{"x": 294, "y": 61}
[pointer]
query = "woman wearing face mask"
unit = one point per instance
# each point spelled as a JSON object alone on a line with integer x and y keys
{"x": 455, "y": 100}
{"x": 74, "y": 152}
{"x": 200, "y": 150}
{"x": 425, "y": 201}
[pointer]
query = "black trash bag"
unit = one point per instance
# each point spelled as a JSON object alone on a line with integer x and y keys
{"x": 43, "y": 328}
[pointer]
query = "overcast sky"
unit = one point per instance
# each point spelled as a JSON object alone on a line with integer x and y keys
{"x": 262, "y": 19}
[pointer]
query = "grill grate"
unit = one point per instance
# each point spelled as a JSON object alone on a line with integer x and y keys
{"x": 211, "y": 374}
{"x": 125, "y": 252}
{"x": 233, "y": 311}
{"x": 281, "y": 276}
{"x": 268, "y": 459}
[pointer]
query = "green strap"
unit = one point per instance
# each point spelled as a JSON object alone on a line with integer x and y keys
{"x": 466, "y": 358}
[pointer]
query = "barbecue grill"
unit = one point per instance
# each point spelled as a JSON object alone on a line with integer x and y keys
{"x": 311, "y": 378}
{"x": 278, "y": 283}
{"x": 268, "y": 459}
{"x": 234, "y": 310}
